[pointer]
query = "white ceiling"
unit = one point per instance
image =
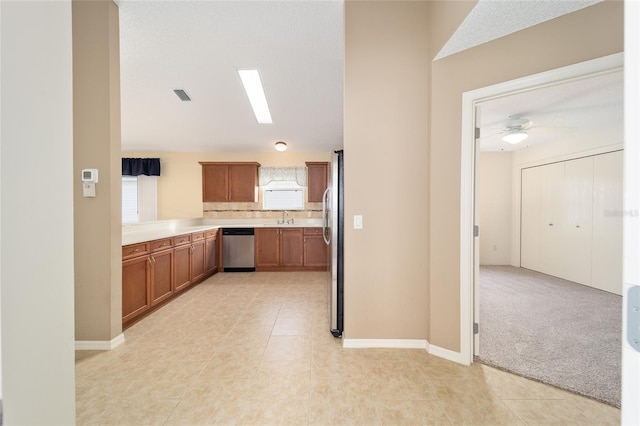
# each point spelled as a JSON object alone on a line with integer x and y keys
{"x": 198, "y": 46}
{"x": 298, "y": 46}
{"x": 581, "y": 109}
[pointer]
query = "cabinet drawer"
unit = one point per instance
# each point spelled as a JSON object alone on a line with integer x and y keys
{"x": 161, "y": 244}
{"x": 211, "y": 233}
{"x": 134, "y": 250}
{"x": 313, "y": 231}
{"x": 182, "y": 239}
{"x": 197, "y": 236}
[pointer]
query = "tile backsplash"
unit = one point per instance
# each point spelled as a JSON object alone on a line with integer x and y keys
{"x": 227, "y": 210}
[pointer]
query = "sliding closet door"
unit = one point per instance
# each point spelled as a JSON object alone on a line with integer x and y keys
{"x": 607, "y": 222}
{"x": 577, "y": 221}
{"x": 571, "y": 220}
{"x": 531, "y": 218}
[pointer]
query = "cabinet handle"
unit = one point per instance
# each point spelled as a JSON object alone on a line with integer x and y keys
{"x": 149, "y": 260}
{"x": 551, "y": 224}
{"x": 135, "y": 250}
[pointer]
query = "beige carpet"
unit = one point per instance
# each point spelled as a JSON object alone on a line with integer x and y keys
{"x": 551, "y": 330}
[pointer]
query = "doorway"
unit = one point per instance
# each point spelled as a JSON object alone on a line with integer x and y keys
{"x": 469, "y": 255}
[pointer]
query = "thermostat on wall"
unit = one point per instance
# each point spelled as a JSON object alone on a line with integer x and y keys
{"x": 90, "y": 175}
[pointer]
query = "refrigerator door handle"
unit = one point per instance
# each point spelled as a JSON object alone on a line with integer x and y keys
{"x": 325, "y": 217}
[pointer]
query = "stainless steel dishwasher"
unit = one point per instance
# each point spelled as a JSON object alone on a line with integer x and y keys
{"x": 238, "y": 250}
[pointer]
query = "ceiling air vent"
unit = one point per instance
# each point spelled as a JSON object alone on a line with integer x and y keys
{"x": 182, "y": 95}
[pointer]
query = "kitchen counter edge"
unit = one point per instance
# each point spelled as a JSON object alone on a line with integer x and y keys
{"x": 129, "y": 238}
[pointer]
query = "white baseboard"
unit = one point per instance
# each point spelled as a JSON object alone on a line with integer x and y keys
{"x": 386, "y": 343}
{"x": 99, "y": 345}
{"x": 447, "y": 354}
{"x": 405, "y": 344}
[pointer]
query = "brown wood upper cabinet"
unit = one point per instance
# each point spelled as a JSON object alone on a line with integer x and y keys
{"x": 229, "y": 182}
{"x": 317, "y": 175}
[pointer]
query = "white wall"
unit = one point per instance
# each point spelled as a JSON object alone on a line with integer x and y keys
{"x": 494, "y": 201}
{"x": 36, "y": 251}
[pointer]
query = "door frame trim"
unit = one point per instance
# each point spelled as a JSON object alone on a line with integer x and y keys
{"x": 468, "y": 170}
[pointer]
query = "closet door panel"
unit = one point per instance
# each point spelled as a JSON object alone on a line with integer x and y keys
{"x": 607, "y": 222}
{"x": 551, "y": 232}
{"x": 531, "y": 218}
{"x": 577, "y": 220}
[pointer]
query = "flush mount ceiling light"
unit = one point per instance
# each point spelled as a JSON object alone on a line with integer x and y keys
{"x": 515, "y": 136}
{"x": 281, "y": 146}
{"x": 182, "y": 95}
{"x": 255, "y": 92}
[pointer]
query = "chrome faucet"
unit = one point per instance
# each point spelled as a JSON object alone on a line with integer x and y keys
{"x": 284, "y": 212}
{"x": 287, "y": 221}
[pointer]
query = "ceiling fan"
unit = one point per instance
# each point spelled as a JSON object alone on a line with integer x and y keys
{"x": 515, "y": 130}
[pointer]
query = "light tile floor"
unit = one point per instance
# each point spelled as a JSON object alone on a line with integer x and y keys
{"x": 254, "y": 349}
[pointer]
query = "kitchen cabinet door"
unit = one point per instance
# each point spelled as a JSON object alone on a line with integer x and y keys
{"x": 182, "y": 265}
{"x": 316, "y": 252}
{"x": 215, "y": 185}
{"x": 211, "y": 253}
{"x": 317, "y": 178}
{"x": 161, "y": 276}
{"x": 243, "y": 183}
{"x": 197, "y": 260}
{"x": 135, "y": 287}
{"x": 267, "y": 247}
{"x": 291, "y": 247}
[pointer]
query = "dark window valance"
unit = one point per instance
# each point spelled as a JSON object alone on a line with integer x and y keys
{"x": 140, "y": 166}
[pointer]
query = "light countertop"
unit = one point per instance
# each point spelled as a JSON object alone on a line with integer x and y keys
{"x": 141, "y": 232}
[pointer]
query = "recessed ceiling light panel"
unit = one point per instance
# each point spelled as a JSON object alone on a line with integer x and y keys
{"x": 255, "y": 92}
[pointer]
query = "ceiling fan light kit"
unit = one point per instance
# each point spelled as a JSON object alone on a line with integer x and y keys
{"x": 515, "y": 136}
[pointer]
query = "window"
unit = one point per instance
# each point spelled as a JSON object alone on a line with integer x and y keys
{"x": 129, "y": 199}
{"x": 139, "y": 198}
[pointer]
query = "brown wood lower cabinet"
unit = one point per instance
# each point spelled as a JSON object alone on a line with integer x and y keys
{"x": 211, "y": 252}
{"x": 154, "y": 272}
{"x": 161, "y": 276}
{"x": 182, "y": 255}
{"x": 290, "y": 249}
{"x": 135, "y": 287}
{"x": 316, "y": 251}
{"x": 197, "y": 260}
{"x": 267, "y": 247}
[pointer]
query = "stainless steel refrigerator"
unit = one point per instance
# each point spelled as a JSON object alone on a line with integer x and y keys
{"x": 333, "y": 232}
